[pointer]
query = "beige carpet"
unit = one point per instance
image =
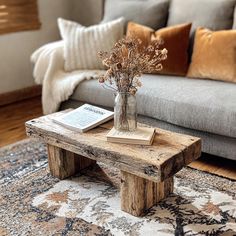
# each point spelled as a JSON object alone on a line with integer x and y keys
{"x": 34, "y": 203}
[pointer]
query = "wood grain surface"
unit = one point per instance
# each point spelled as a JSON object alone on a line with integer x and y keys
{"x": 139, "y": 194}
{"x": 169, "y": 153}
{"x": 63, "y": 163}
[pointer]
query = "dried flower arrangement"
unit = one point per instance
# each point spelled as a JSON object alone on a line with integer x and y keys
{"x": 128, "y": 60}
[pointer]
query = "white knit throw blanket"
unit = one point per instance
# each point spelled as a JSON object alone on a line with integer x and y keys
{"x": 58, "y": 85}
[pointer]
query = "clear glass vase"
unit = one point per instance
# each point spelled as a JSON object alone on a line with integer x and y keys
{"x": 125, "y": 117}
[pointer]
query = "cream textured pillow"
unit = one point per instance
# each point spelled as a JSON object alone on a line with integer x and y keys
{"x": 82, "y": 44}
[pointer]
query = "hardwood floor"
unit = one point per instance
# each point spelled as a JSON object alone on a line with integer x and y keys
{"x": 13, "y": 118}
{"x": 216, "y": 165}
{"x": 12, "y": 129}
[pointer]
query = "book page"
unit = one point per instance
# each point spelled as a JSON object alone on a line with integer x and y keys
{"x": 142, "y": 133}
{"x": 84, "y": 116}
{"x": 82, "y": 119}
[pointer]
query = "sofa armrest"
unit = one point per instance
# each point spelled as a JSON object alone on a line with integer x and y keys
{"x": 43, "y": 56}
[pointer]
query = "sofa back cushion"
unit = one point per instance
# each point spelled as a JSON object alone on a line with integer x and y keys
{"x": 151, "y": 13}
{"x": 212, "y": 14}
{"x": 87, "y": 12}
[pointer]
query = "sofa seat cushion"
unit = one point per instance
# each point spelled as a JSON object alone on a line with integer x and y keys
{"x": 197, "y": 104}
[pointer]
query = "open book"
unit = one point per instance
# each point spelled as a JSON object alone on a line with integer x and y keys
{"x": 84, "y": 118}
{"x": 142, "y": 136}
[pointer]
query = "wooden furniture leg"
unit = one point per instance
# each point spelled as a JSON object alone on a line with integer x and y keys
{"x": 139, "y": 194}
{"x": 63, "y": 163}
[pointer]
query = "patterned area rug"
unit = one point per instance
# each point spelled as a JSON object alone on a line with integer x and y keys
{"x": 34, "y": 203}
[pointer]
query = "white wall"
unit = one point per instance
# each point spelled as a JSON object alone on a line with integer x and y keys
{"x": 16, "y": 48}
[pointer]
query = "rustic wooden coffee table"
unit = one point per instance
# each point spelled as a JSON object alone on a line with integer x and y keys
{"x": 146, "y": 171}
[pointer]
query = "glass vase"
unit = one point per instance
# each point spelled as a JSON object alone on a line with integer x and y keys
{"x": 125, "y": 112}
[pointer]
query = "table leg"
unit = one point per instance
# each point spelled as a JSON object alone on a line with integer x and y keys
{"x": 139, "y": 194}
{"x": 63, "y": 163}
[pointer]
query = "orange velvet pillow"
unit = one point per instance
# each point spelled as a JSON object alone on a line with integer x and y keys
{"x": 176, "y": 41}
{"x": 214, "y": 55}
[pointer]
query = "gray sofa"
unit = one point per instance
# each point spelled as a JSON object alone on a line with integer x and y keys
{"x": 204, "y": 108}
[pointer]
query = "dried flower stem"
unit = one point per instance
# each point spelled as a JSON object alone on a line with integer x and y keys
{"x": 126, "y": 62}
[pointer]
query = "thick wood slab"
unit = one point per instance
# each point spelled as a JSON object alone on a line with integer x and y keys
{"x": 168, "y": 154}
{"x": 63, "y": 164}
{"x": 139, "y": 194}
